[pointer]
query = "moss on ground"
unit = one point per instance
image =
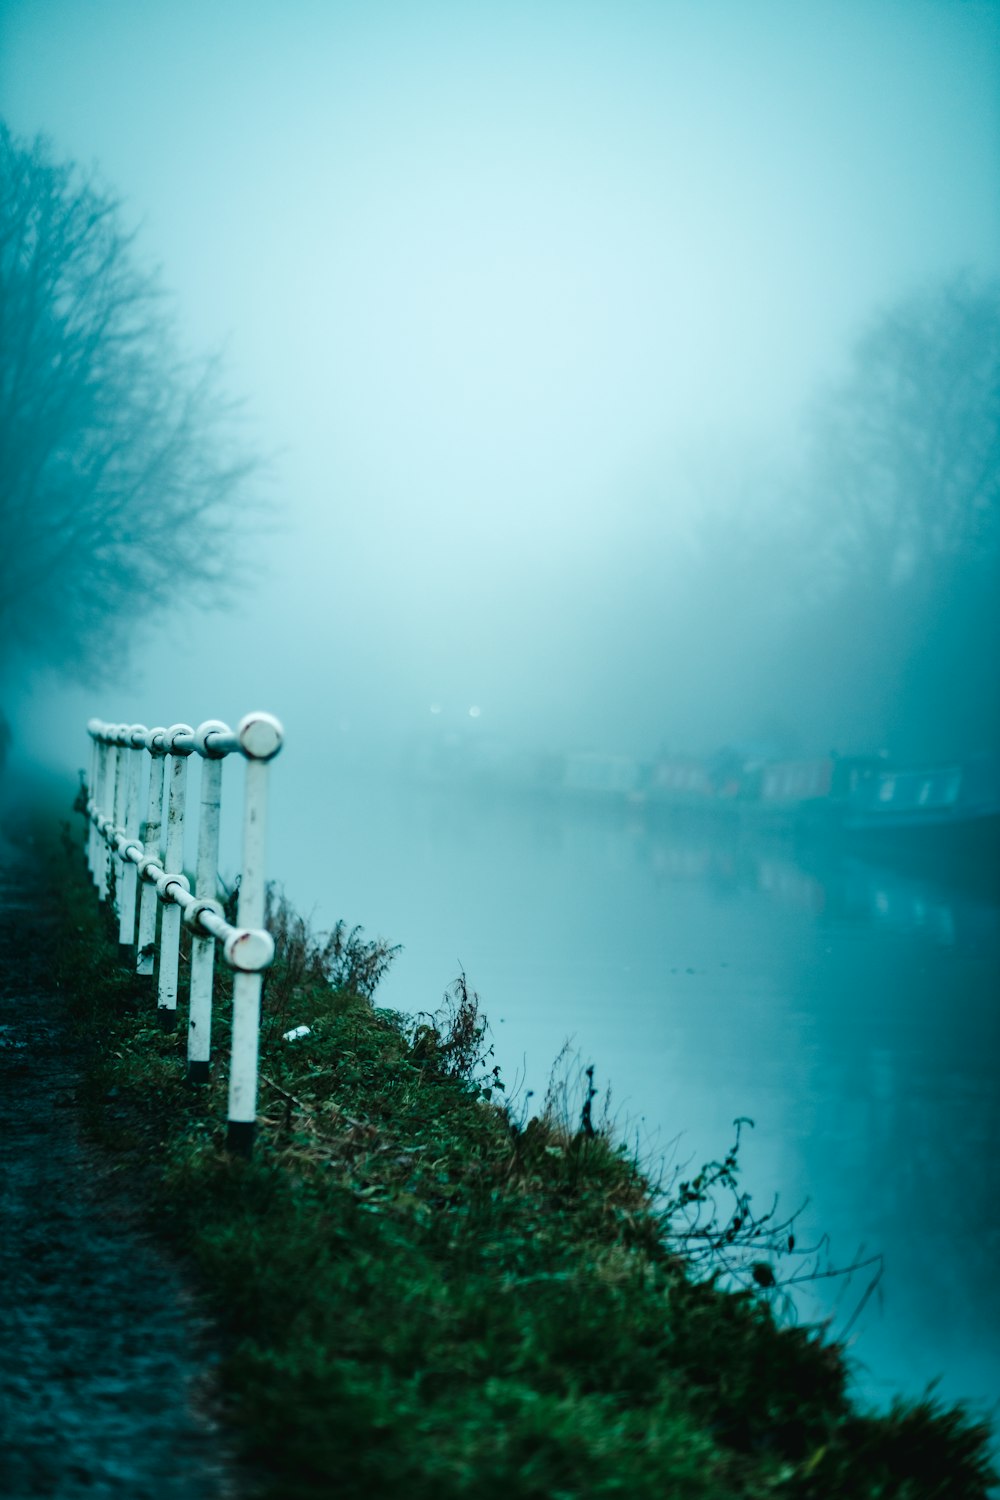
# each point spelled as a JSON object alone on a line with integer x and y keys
{"x": 423, "y": 1296}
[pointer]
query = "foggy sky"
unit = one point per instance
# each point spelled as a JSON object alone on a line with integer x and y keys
{"x": 497, "y": 281}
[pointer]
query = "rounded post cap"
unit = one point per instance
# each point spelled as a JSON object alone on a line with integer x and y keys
{"x": 249, "y": 950}
{"x": 260, "y": 735}
{"x": 201, "y": 734}
{"x": 172, "y": 736}
{"x": 168, "y": 885}
{"x": 192, "y": 917}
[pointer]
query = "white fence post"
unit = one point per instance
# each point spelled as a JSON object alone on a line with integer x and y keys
{"x": 260, "y": 737}
{"x": 113, "y": 810}
{"x": 131, "y": 775}
{"x": 206, "y": 888}
{"x": 100, "y": 812}
{"x": 95, "y": 761}
{"x": 118, "y": 808}
{"x": 111, "y": 801}
{"x": 173, "y": 865}
{"x": 149, "y": 905}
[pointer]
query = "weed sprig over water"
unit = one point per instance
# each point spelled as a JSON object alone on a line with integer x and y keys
{"x": 429, "y": 1291}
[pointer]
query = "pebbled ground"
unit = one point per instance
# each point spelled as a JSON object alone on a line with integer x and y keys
{"x": 106, "y": 1367}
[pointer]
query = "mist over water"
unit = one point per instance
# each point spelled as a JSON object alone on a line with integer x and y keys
{"x": 846, "y": 1005}
{"x": 607, "y": 359}
{"x": 526, "y": 303}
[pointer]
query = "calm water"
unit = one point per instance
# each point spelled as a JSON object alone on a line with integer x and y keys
{"x": 852, "y": 1011}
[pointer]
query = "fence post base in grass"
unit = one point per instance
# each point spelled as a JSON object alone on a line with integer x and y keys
{"x": 239, "y": 1138}
{"x": 126, "y": 955}
{"x": 166, "y": 1018}
{"x": 198, "y": 1072}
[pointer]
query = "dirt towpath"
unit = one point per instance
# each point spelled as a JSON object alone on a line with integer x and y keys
{"x": 106, "y": 1368}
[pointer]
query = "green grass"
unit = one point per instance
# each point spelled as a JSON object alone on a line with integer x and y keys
{"x": 423, "y": 1295}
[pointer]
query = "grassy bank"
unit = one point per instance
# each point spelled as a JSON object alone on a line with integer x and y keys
{"x": 425, "y": 1293}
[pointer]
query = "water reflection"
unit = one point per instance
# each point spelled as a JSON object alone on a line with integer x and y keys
{"x": 891, "y": 1055}
{"x": 840, "y": 885}
{"x": 847, "y": 1005}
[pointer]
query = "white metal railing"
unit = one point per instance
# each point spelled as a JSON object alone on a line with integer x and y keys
{"x": 146, "y": 856}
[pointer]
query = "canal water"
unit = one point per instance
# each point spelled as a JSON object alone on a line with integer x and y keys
{"x": 850, "y": 1008}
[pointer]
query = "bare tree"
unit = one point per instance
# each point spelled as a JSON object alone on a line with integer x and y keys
{"x": 120, "y": 462}
{"x": 905, "y": 468}
{"x": 858, "y": 598}
{"x": 903, "y": 486}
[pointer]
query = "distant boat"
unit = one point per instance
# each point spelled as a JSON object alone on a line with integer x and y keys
{"x": 679, "y": 781}
{"x": 946, "y": 803}
{"x": 952, "y": 808}
{"x": 602, "y": 775}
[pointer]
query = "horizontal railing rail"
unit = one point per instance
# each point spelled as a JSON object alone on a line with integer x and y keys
{"x": 128, "y": 854}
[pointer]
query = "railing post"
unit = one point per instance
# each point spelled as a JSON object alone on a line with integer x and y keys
{"x": 101, "y": 850}
{"x": 122, "y": 737}
{"x": 152, "y": 844}
{"x": 132, "y": 773}
{"x": 113, "y": 809}
{"x": 173, "y": 864}
{"x": 260, "y": 737}
{"x": 93, "y": 848}
{"x": 206, "y": 887}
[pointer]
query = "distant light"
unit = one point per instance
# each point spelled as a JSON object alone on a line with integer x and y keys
{"x": 435, "y": 708}
{"x": 475, "y": 711}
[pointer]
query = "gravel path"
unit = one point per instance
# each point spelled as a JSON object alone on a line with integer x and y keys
{"x": 105, "y": 1365}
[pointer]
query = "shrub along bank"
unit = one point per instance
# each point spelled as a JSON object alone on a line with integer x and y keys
{"x": 423, "y": 1294}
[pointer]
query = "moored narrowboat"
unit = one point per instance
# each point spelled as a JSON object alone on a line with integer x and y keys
{"x": 961, "y": 799}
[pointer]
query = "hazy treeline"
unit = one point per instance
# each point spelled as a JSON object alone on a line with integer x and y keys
{"x": 902, "y": 480}
{"x": 844, "y": 597}
{"x": 848, "y": 599}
